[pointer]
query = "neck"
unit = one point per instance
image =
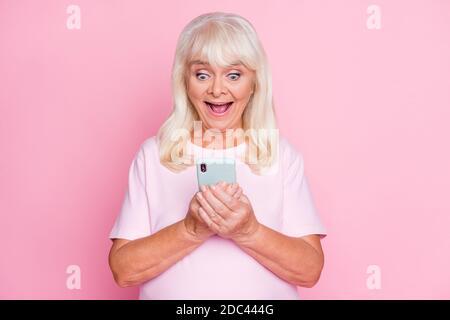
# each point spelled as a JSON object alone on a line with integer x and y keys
{"x": 213, "y": 139}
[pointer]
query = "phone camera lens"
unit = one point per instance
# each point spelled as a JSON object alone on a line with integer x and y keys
{"x": 203, "y": 167}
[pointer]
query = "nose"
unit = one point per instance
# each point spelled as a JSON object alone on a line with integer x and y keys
{"x": 217, "y": 87}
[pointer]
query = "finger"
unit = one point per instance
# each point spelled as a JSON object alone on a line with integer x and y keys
{"x": 195, "y": 204}
{"x": 238, "y": 193}
{"x": 235, "y": 187}
{"x": 229, "y": 201}
{"x": 207, "y": 220}
{"x": 212, "y": 214}
{"x": 245, "y": 199}
{"x": 202, "y": 202}
{"x": 218, "y": 206}
{"x": 231, "y": 188}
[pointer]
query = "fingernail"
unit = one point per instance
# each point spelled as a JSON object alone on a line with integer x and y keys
{"x": 199, "y": 195}
{"x": 223, "y": 183}
{"x": 203, "y": 188}
{"x": 213, "y": 187}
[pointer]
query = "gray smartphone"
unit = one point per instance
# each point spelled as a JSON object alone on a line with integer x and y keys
{"x": 210, "y": 171}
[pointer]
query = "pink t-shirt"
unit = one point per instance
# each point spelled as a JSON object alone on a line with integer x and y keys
{"x": 218, "y": 268}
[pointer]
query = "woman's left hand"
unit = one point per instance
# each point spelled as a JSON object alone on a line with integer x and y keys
{"x": 230, "y": 217}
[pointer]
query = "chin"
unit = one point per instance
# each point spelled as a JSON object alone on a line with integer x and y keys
{"x": 217, "y": 126}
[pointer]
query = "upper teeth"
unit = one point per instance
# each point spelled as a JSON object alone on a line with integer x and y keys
{"x": 219, "y": 104}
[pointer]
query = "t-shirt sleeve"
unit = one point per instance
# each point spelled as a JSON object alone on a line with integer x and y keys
{"x": 133, "y": 221}
{"x": 300, "y": 217}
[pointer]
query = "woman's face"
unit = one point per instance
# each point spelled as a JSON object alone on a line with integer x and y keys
{"x": 219, "y": 95}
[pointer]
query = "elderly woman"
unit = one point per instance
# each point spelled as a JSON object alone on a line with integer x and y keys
{"x": 258, "y": 238}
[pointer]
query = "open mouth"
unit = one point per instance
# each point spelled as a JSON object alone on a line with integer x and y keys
{"x": 219, "y": 109}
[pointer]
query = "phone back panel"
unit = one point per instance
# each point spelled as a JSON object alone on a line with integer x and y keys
{"x": 214, "y": 171}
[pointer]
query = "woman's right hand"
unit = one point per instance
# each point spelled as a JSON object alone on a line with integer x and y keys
{"x": 194, "y": 224}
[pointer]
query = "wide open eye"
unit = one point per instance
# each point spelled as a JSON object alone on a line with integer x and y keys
{"x": 201, "y": 76}
{"x": 234, "y": 76}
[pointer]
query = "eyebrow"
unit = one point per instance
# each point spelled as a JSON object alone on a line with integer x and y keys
{"x": 200, "y": 62}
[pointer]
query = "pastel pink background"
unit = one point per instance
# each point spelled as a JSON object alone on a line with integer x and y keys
{"x": 369, "y": 110}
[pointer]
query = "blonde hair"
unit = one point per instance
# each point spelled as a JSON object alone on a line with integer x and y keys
{"x": 221, "y": 39}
